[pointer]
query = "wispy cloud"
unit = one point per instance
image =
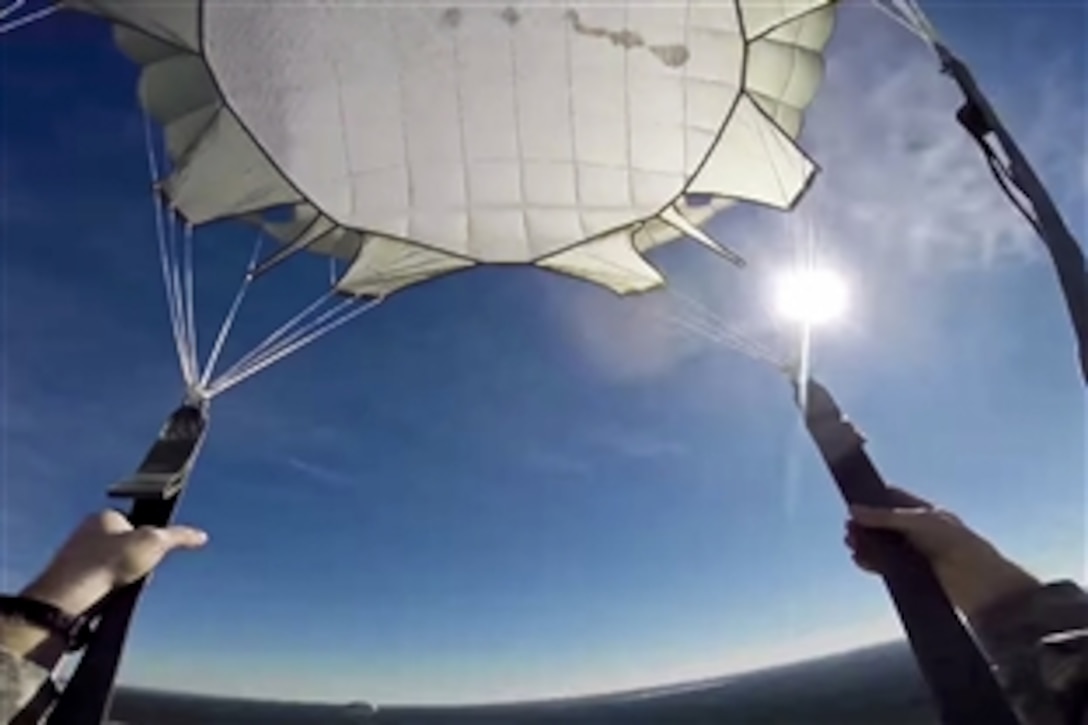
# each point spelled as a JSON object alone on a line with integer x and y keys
{"x": 636, "y": 443}
{"x": 575, "y": 459}
{"x": 903, "y": 191}
{"x": 551, "y": 460}
{"x": 325, "y": 475}
{"x": 899, "y": 171}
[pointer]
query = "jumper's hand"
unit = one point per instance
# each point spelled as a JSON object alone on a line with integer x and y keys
{"x": 972, "y": 571}
{"x": 103, "y": 553}
{"x": 106, "y": 552}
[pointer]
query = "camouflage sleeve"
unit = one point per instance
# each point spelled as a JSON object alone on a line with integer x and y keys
{"x": 1038, "y": 643}
{"x": 20, "y": 681}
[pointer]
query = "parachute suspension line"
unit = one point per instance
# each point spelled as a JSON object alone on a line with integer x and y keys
{"x": 166, "y": 257}
{"x": 712, "y": 327}
{"x": 301, "y": 340}
{"x": 334, "y": 271}
{"x": 909, "y": 15}
{"x": 288, "y": 340}
{"x": 189, "y": 293}
{"x": 284, "y": 330}
{"x": 10, "y": 8}
{"x": 228, "y": 320}
{"x": 716, "y": 328}
{"x": 25, "y": 20}
{"x": 166, "y": 260}
{"x": 180, "y": 297}
{"x": 173, "y": 291}
{"x": 726, "y": 339}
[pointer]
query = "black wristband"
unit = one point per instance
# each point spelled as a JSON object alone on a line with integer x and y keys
{"x": 73, "y": 630}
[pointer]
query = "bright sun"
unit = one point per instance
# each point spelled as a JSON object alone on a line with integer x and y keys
{"x": 810, "y": 296}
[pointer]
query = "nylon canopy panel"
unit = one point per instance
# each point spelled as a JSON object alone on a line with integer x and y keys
{"x": 173, "y": 21}
{"x": 496, "y": 132}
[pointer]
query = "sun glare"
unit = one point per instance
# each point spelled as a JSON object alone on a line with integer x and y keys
{"x": 810, "y": 296}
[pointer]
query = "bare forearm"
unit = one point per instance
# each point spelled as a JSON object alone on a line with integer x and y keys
{"x": 977, "y": 579}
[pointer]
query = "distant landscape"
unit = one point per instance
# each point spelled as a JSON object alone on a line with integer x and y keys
{"x": 875, "y": 685}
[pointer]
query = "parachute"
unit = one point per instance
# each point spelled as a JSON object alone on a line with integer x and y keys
{"x": 408, "y": 142}
{"x": 420, "y": 140}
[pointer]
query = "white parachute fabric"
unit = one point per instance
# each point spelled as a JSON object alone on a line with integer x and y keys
{"x": 423, "y": 138}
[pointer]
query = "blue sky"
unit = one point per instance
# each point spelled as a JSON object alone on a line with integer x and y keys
{"x": 504, "y": 484}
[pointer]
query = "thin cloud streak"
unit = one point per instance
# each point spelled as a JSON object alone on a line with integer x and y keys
{"x": 325, "y": 475}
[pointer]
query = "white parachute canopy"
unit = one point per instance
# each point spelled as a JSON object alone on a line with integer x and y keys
{"x": 418, "y": 139}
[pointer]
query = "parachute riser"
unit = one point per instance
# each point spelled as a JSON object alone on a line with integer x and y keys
{"x": 155, "y": 489}
{"x": 980, "y": 120}
{"x": 959, "y": 677}
{"x": 165, "y": 469}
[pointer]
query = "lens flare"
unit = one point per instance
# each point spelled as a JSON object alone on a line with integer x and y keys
{"x": 810, "y": 296}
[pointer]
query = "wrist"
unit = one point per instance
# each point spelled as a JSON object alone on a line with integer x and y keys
{"x": 71, "y": 595}
{"x": 43, "y": 622}
{"x": 32, "y": 641}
